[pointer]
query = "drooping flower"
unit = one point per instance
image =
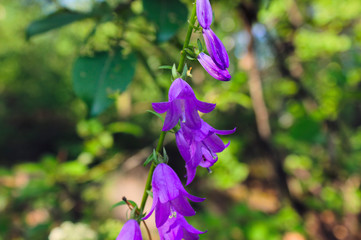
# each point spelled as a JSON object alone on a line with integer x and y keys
{"x": 130, "y": 231}
{"x": 182, "y": 105}
{"x": 169, "y": 196}
{"x": 177, "y": 227}
{"x": 200, "y": 147}
{"x": 212, "y": 68}
{"x": 216, "y": 49}
{"x": 204, "y": 13}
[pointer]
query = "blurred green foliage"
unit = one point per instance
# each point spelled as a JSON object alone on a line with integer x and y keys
{"x": 76, "y": 80}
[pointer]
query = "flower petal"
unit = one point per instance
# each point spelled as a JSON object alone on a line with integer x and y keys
{"x": 214, "y": 143}
{"x": 213, "y": 70}
{"x": 130, "y": 231}
{"x": 182, "y": 206}
{"x": 162, "y": 212}
{"x": 160, "y": 107}
{"x": 176, "y": 88}
{"x": 192, "y": 117}
{"x": 216, "y": 49}
{"x": 173, "y": 115}
{"x": 224, "y": 132}
{"x": 182, "y": 145}
{"x": 165, "y": 183}
{"x": 204, "y": 13}
{"x": 205, "y": 107}
{"x": 208, "y": 159}
{"x": 191, "y": 173}
{"x": 193, "y": 198}
{"x": 155, "y": 201}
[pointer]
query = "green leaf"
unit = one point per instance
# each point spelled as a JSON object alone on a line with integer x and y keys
{"x": 156, "y": 114}
{"x": 55, "y": 20}
{"x": 165, "y": 67}
{"x": 123, "y": 203}
{"x": 200, "y": 45}
{"x": 102, "y": 12}
{"x": 175, "y": 74}
{"x": 117, "y": 204}
{"x": 165, "y": 156}
{"x": 184, "y": 73}
{"x": 190, "y": 52}
{"x": 148, "y": 160}
{"x": 96, "y": 78}
{"x": 150, "y": 193}
{"x": 168, "y": 16}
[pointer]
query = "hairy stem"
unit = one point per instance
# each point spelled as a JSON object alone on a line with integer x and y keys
{"x": 151, "y": 170}
{"x": 192, "y": 20}
{"x": 162, "y": 135}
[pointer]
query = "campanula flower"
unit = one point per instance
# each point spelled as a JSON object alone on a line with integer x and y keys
{"x": 177, "y": 227}
{"x": 200, "y": 147}
{"x": 212, "y": 68}
{"x": 182, "y": 105}
{"x": 169, "y": 196}
{"x": 204, "y": 13}
{"x": 216, "y": 49}
{"x": 130, "y": 231}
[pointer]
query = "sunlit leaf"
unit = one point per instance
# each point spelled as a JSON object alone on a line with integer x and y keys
{"x": 168, "y": 16}
{"x": 55, "y": 20}
{"x": 96, "y": 78}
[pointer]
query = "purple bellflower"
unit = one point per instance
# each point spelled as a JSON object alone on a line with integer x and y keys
{"x": 204, "y": 13}
{"x": 212, "y": 68}
{"x": 200, "y": 147}
{"x": 182, "y": 105}
{"x": 177, "y": 227}
{"x": 130, "y": 231}
{"x": 169, "y": 196}
{"x": 216, "y": 49}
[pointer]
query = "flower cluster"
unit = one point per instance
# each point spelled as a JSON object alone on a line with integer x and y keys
{"x": 217, "y": 63}
{"x": 197, "y": 141}
{"x": 198, "y": 144}
{"x": 170, "y": 205}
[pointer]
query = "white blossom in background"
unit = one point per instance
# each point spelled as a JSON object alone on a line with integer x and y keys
{"x": 72, "y": 231}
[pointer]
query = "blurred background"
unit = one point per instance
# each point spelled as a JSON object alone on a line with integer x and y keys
{"x": 78, "y": 76}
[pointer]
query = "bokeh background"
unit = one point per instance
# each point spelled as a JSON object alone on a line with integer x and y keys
{"x": 291, "y": 172}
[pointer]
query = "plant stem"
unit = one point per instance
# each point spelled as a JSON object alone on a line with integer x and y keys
{"x": 162, "y": 135}
{"x": 151, "y": 170}
{"x": 192, "y": 20}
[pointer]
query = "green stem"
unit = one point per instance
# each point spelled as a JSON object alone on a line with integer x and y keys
{"x": 162, "y": 135}
{"x": 151, "y": 170}
{"x": 188, "y": 38}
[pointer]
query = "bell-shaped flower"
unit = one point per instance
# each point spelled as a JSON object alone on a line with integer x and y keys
{"x": 216, "y": 49}
{"x": 200, "y": 147}
{"x": 212, "y": 68}
{"x": 182, "y": 105}
{"x": 177, "y": 227}
{"x": 130, "y": 231}
{"x": 169, "y": 196}
{"x": 204, "y": 13}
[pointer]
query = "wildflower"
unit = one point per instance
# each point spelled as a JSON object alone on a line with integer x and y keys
{"x": 182, "y": 105}
{"x": 169, "y": 195}
{"x": 216, "y": 49}
{"x": 177, "y": 227}
{"x": 200, "y": 147}
{"x": 130, "y": 231}
{"x": 204, "y": 13}
{"x": 212, "y": 68}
